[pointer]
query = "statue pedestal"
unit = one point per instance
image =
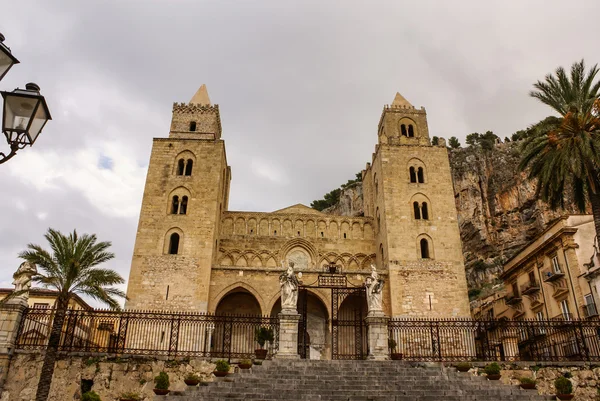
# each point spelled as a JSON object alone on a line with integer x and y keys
{"x": 288, "y": 335}
{"x": 377, "y": 324}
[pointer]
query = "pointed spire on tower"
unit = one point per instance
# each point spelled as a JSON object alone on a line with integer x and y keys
{"x": 201, "y": 96}
{"x": 399, "y": 100}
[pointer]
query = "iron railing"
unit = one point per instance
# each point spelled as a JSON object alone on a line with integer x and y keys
{"x": 148, "y": 333}
{"x": 496, "y": 340}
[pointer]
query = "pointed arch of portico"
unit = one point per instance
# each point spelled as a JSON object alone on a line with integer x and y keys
{"x": 326, "y": 300}
{"x": 230, "y": 289}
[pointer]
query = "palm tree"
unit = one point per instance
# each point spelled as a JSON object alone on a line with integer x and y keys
{"x": 563, "y": 153}
{"x": 71, "y": 268}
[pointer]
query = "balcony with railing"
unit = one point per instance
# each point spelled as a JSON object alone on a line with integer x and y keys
{"x": 550, "y": 275}
{"x": 530, "y": 288}
{"x": 589, "y": 311}
{"x": 512, "y": 298}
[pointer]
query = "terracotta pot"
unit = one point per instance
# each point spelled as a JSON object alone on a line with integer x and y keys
{"x": 565, "y": 396}
{"x": 528, "y": 386}
{"x": 463, "y": 368}
{"x": 244, "y": 366}
{"x": 396, "y": 356}
{"x": 494, "y": 377}
{"x": 220, "y": 374}
{"x": 160, "y": 391}
{"x": 261, "y": 353}
{"x": 191, "y": 382}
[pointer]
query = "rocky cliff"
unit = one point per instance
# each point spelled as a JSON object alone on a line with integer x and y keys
{"x": 497, "y": 210}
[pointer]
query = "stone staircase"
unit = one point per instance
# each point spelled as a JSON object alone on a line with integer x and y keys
{"x": 304, "y": 380}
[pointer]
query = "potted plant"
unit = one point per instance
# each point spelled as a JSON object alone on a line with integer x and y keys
{"x": 464, "y": 366}
{"x": 130, "y": 396}
{"x": 191, "y": 379}
{"x": 395, "y": 356}
{"x": 564, "y": 388}
{"x": 90, "y": 396}
{"x": 222, "y": 368}
{"x": 161, "y": 384}
{"x": 527, "y": 383}
{"x": 261, "y": 336}
{"x": 245, "y": 364}
{"x": 492, "y": 371}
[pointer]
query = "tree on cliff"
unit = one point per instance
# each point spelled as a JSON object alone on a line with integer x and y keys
{"x": 71, "y": 268}
{"x": 453, "y": 142}
{"x": 563, "y": 153}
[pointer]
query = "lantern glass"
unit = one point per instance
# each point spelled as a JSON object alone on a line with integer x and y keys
{"x": 39, "y": 120}
{"x": 7, "y": 60}
{"x": 25, "y": 114}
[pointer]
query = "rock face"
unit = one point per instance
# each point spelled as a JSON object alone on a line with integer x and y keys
{"x": 497, "y": 210}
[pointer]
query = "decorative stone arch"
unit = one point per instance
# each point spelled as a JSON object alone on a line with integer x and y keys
{"x": 322, "y": 228}
{"x": 299, "y": 228}
{"x": 252, "y": 226}
{"x": 185, "y": 156}
{"x": 357, "y": 230}
{"x": 318, "y": 294}
{"x": 425, "y": 212}
{"x": 303, "y": 244}
{"x": 242, "y": 261}
{"x": 368, "y": 261}
{"x": 408, "y": 122}
{"x": 418, "y": 166}
{"x": 227, "y": 226}
{"x": 332, "y": 257}
{"x": 234, "y": 288}
{"x": 276, "y": 227}
{"x": 311, "y": 228}
{"x": 239, "y": 226}
{"x": 263, "y": 228}
{"x": 430, "y": 245}
{"x": 167, "y": 238}
{"x": 345, "y": 229}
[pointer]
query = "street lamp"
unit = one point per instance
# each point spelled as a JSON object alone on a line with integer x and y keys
{"x": 25, "y": 110}
{"x": 7, "y": 60}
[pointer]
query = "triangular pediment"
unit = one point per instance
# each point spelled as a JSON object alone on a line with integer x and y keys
{"x": 298, "y": 208}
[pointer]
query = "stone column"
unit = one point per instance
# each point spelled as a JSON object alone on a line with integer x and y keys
{"x": 288, "y": 334}
{"x": 11, "y": 314}
{"x": 377, "y": 325}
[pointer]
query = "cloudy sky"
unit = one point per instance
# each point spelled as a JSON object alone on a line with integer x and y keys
{"x": 300, "y": 84}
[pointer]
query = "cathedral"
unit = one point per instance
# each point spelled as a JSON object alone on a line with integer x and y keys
{"x": 194, "y": 254}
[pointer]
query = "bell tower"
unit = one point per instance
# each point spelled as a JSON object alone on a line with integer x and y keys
{"x": 408, "y": 191}
{"x": 187, "y": 189}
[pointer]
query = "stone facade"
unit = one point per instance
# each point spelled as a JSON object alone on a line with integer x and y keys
{"x": 192, "y": 253}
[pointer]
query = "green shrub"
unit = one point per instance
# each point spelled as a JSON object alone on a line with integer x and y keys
{"x": 568, "y": 375}
{"x": 222, "y": 366}
{"x": 192, "y": 376}
{"x": 90, "y": 396}
{"x": 262, "y": 335}
{"x": 527, "y": 380}
{"x": 245, "y": 362}
{"x": 131, "y": 396}
{"x": 563, "y": 385}
{"x": 162, "y": 381}
{"x": 492, "y": 369}
{"x": 465, "y": 365}
{"x": 257, "y": 362}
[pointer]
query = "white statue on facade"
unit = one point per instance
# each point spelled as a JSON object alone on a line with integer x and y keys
{"x": 22, "y": 280}
{"x": 374, "y": 287}
{"x": 289, "y": 287}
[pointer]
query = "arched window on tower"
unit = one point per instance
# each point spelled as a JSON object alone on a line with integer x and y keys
{"x": 420, "y": 175}
{"x": 183, "y": 206}
{"x": 381, "y": 252}
{"x": 413, "y": 175}
{"x": 193, "y": 126}
{"x": 411, "y": 131}
{"x": 424, "y": 211}
{"x": 188, "y": 167}
{"x": 417, "y": 210}
{"x": 174, "y": 244}
{"x": 403, "y": 129}
{"x": 175, "y": 205}
{"x": 180, "y": 166}
{"x": 424, "y": 248}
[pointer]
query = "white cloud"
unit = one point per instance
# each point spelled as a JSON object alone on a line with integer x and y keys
{"x": 264, "y": 169}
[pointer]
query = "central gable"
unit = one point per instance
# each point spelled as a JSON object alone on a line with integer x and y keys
{"x": 297, "y": 209}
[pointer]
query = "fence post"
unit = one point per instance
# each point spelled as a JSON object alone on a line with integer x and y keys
{"x": 12, "y": 315}
{"x": 581, "y": 340}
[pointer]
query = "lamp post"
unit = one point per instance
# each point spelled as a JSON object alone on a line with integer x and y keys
{"x": 25, "y": 110}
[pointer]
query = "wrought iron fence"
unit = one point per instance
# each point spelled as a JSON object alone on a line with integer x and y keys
{"x": 148, "y": 333}
{"x": 496, "y": 340}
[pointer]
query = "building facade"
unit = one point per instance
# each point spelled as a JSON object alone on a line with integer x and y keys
{"x": 193, "y": 254}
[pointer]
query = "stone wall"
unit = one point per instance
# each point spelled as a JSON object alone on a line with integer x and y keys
{"x": 111, "y": 377}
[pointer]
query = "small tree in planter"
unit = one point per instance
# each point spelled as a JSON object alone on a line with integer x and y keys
{"x": 392, "y": 346}
{"x": 131, "y": 396}
{"x": 261, "y": 336}
{"x": 245, "y": 364}
{"x": 564, "y": 388}
{"x": 222, "y": 368}
{"x": 161, "y": 384}
{"x": 191, "y": 379}
{"x": 527, "y": 383}
{"x": 492, "y": 371}
{"x": 464, "y": 366}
